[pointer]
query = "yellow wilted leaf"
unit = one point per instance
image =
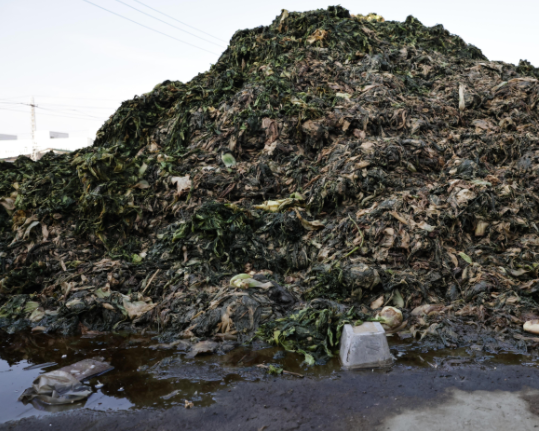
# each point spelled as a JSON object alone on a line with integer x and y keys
{"x": 318, "y": 35}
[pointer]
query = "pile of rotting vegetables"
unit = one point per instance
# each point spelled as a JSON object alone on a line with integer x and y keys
{"x": 327, "y": 166}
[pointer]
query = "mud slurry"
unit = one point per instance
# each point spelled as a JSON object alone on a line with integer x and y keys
{"x": 160, "y": 376}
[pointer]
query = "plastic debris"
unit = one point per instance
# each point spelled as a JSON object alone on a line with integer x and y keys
{"x": 63, "y": 386}
{"x": 364, "y": 346}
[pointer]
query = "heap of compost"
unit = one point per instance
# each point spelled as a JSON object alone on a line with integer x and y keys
{"x": 326, "y": 166}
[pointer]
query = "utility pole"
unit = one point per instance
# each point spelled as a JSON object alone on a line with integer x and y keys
{"x": 33, "y": 120}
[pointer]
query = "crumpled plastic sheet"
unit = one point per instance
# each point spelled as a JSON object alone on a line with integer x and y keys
{"x": 63, "y": 386}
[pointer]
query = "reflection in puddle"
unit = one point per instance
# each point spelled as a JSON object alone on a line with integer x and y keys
{"x": 149, "y": 376}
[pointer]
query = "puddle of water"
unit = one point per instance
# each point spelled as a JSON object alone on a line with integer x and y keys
{"x": 148, "y": 377}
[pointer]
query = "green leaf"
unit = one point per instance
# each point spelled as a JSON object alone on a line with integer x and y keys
{"x": 309, "y": 360}
{"x": 465, "y": 257}
{"x": 275, "y": 370}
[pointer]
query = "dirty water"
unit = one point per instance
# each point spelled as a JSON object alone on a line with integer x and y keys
{"x": 149, "y": 374}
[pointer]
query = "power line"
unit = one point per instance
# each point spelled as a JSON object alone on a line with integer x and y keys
{"x": 76, "y": 106}
{"x": 176, "y": 27}
{"x": 51, "y": 115}
{"x": 149, "y": 28}
{"x": 64, "y": 111}
{"x": 53, "y": 110}
{"x": 79, "y": 98}
{"x": 62, "y": 97}
{"x": 28, "y": 133}
{"x": 13, "y": 110}
{"x": 190, "y": 26}
{"x": 60, "y": 104}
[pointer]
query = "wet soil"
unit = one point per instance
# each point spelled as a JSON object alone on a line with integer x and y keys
{"x": 150, "y": 383}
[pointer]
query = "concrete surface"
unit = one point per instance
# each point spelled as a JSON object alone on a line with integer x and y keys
{"x": 468, "y": 411}
{"x": 399, "y": 398}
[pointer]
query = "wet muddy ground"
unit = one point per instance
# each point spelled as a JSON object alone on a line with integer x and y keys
{"x": 466, "y": 388}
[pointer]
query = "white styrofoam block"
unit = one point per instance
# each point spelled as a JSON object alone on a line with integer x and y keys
{"x": 364, "y": 346}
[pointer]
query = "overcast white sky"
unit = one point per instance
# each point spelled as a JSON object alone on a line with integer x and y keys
{"x": 80, "y": 62}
